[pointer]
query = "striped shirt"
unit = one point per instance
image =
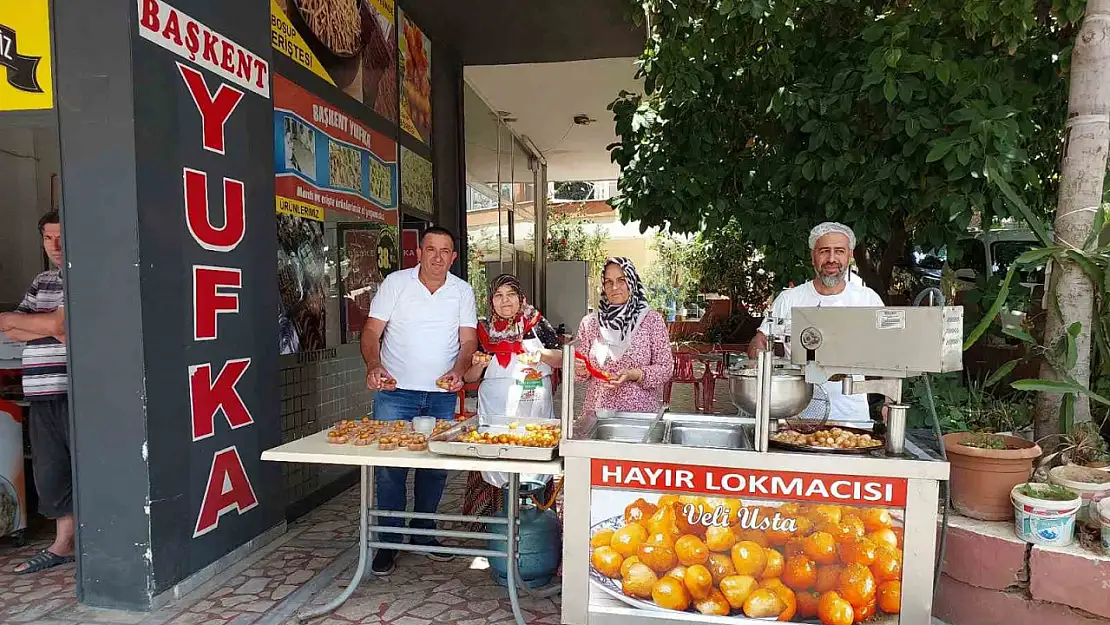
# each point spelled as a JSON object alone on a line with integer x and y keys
{"x": 44, "y": 360}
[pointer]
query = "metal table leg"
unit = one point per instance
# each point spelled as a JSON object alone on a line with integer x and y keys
{"x": 513, "y": 515}
{"x": 366, "y": 542}
{"x": 366, "y": 488}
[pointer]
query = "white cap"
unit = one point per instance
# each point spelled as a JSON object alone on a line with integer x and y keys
{"x": 830, "y": 227}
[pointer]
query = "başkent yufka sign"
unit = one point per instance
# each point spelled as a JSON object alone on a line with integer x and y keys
{"x": 209, "y": 96}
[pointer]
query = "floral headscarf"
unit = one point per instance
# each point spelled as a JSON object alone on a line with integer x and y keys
{"x": 504, "y": 337}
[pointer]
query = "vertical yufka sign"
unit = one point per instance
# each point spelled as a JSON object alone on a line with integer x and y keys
{"x": 218, "y": 75}
{"x": 745, "y": 543}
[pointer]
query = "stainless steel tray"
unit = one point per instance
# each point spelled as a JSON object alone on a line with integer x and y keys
{"x": 835, "y": 450}
{"x": 447, "y": 443}
{"x": 699, "y": 434}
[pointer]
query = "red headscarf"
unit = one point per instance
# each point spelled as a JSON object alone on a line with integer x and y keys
{"x": 501, "y": 337}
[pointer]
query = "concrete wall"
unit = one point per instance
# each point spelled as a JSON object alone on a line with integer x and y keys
{"x": 28, "y": 158}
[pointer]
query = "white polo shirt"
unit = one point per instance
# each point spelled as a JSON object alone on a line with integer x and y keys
{"x": 841, "y": 407}
{"x": 421, "y": 341}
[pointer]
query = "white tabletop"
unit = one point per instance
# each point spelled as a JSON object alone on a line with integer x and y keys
{"x": 316, "y": 449}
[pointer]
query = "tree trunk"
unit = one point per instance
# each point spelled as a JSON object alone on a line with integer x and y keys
{"x": 1082, "y": 172}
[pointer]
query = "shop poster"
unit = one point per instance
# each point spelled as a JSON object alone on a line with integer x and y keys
{"x": 302, "y": 284}
{"x": 367, "y": 254}
{"x": 749, "y": 544}
{"x": 326, "y": 161}
{"x": 26, "y": 78}
{"x": 410, "y": 241}
{"x": 416, "y": 83}
{"x": 351, "y": 45}
{"x": 416, "y": 183}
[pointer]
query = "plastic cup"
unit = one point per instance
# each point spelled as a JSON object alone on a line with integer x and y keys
{"x": 424, "y": 425}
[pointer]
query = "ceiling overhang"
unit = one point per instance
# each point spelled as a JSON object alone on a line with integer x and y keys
{"x": 503, "y": 32}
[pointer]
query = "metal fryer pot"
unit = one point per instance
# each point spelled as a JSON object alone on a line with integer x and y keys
{"x": 790, "y": 393}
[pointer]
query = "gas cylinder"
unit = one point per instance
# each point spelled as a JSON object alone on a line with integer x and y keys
{"x": 540, "y": 540}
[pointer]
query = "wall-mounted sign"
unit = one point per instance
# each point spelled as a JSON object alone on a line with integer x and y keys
{"x": 416, "y": 86}
{"x": 189, "y": 39}
{"x": 327, "y": 161}
{"x": 410, "y": 241}
{"x": 216, "y": 91}
{"x": 367, "y": 254}
{"x": 767, "y": 545}
{"x": 26, "y": 79}
{"x": 416, "y": 183}
{"x": 352, "y": 45}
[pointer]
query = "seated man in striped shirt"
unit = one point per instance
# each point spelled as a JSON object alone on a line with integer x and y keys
{"x": 39, "y": 322}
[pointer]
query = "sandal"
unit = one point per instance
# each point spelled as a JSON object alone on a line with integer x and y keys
{"x": 44, "y": 560}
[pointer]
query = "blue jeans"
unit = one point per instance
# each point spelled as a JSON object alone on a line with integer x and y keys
{"x": 403, "y": 405}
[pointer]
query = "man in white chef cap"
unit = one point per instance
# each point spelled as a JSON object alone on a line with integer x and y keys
{"x": 831, "y": 246}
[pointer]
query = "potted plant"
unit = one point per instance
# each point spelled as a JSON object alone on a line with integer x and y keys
{"x": 1083, "y": 446}
{"x": 1045, "y": 513}
{"x": 984, "y": 470}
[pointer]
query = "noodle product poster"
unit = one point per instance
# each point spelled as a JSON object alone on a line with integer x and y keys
{"x": 416, "y": 83}
{"x": 416, "y": 183}
{"x": 367, "y": 254}
{"x": 302, "y": 284}
{"x": 379, "y": 58}
{"x": 351, "y": 44}
{"x": 325, "y": 160}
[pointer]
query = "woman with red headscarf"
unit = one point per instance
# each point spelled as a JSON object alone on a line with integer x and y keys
{"x": 519, "y": 352}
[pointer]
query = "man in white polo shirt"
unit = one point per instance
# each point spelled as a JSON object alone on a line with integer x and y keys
{"x": 831, "y": 249}
{"x": 417, "y": 342}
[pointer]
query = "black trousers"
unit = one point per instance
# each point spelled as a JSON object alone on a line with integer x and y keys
{"x": 50, "y": 455}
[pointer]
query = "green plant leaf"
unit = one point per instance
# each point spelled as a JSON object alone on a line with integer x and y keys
{"x": 1035, "y": 224}
{"x": 890, "y": 90}
{"x": 1037, "y": 255}
{"x": 1067, "y": 413}
{"x": 1020, "y": 335}
{"x": 1001, "y": 372}
{"x": 1059, "y": 387}
{"x": 992, "y": 313}
{"x": 939, "y": 151}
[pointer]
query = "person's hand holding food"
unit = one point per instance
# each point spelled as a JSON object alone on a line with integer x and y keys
{"x": 450, "y": 381}
{"x": 378, "y": 379}
{"x": 480, "y": 359}
{"x": 529, "y": 358}
{"x": 627, "y": 375}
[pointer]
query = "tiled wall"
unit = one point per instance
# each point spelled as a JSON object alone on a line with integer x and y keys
{"x": 318, "y": 389}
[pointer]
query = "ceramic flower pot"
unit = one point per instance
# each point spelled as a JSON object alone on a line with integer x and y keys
{"x": 981, "y": 479}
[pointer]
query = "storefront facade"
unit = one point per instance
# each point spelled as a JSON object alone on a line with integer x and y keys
{"x": 235, "y": 182}
{"x": 235, "y": 179}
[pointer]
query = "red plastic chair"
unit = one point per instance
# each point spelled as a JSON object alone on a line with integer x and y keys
{"x": 684, "y": 374}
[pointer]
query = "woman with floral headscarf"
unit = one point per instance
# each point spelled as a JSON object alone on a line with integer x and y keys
{"x": 519, "y": 352}
{"x": 624, "y": 347}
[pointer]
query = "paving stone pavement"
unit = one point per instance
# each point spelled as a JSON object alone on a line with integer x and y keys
{"x": 309, "y": 564}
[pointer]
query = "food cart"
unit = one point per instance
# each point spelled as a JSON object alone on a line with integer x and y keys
{"x": 677, "y": 519}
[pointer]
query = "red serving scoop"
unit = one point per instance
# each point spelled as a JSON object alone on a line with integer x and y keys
{"x": 601, "y": 375}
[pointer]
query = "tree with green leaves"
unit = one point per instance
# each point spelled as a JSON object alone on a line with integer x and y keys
{"x": 1077, "y": 328}
{"x": 729, "y": 264}
{"x": 901, "y": 118}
